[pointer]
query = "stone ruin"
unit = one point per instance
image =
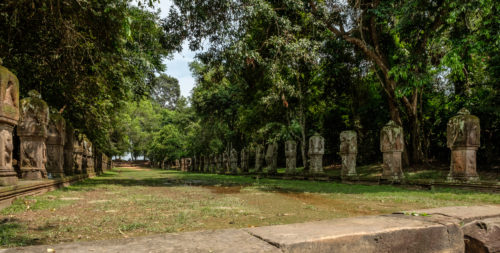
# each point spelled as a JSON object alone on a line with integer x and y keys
{"x": 291, "y": 157}
{"x": 316, "y": 151}
{"x": 87, "y": 156}
{"x": 272, "y": 158}
{"x": 56, "y": 138}
{"x": 258, "y": 158}
{"x": 78, "y": 156}
{"x": 9, "y": 117}
{"x": 392, "y": 145}
{"x": 233, "y": 157}
{"x": 245, "y": 157}
{"x": 463, "y": 138}
{"x": 348, "y": 152}
{"x": 32, "y": 132}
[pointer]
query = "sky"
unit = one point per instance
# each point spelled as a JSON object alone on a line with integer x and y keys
{"x": 178, "y": 67}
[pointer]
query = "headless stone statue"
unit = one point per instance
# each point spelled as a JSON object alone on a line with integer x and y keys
{"x": 316, "y": 151}
{"x": 291, "y": 157}
{"x": 348, "y": 152}
{"x": 55, "y": 146}
{"x": 272, "y": 158}
{"x": 392, "y": 145}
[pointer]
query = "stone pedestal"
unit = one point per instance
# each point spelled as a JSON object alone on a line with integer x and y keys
{"x": 392, "y": 145}
{"x": 245, "y": 156}
{"x": 225, "y": 162}
{"x": 78, "y": 156}
{"x": 55, "y": 146}
{"x": 272, "y": 158}
{"x": 9, "y": 117}
{"x": 32, "y": 133}
{"x": 348, "y": 152}
{"x": 233, "y": 157}
{"x": 291, "y": 157}
{"x": 258, "y": 158}
{"x": 68, "y": 150}
{"x": 316, "y": 151}
{"x": 463, "y": 138}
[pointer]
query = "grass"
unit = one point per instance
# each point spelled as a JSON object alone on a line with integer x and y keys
{"x": 131, "y": 202}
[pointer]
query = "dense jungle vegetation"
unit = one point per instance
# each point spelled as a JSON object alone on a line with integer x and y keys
{"x": 268, "y": 71}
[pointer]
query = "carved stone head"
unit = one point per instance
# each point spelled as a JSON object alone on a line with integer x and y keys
{"x": 463, "y": 130}
{"x": 316, "y": 145}
{"x": 290, "y": 148}
{"x": 348, "y": 142}
{"x": 9, "y": 97}
{"x": 391, "y": 137}
{"x": 34, "y": 116}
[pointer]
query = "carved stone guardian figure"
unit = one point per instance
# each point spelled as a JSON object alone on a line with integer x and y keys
{"x": 78, "y": 156}
{"x": 234, "y": 161}
{"x": 272, "y": 158}
{"x": 316, "y": 151}
{"x": 244, "y": 156}
{"x": 9, "y": 117}
{"x": 392, "y": 145}
{"x": 463, "y": 136}
{"x": 258, "y": 158}
{"x": 291, "y": 157}
{"x": 32, "y": 133}
{"x": 55, "y": 146}
{"x": 348, "y": 152}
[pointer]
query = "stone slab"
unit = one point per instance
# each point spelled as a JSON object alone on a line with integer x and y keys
{"x": 228, "y": 240}
{"x": 482, "y": 235}
{"x": 364, "y": 234}
{"x": 464, "y": 213}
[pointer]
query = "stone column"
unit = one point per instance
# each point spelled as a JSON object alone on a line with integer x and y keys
{"x": 348, "y": 152}
{"x": 78, "y": 156}
{"x": 55, "y": 146}
{"x": 234, "y": 161}
{"x": 392, "y": 145}
{"x": 32, "y": 133}
{"x": 258, "y": 158}
{"x": 463, "y": 138}
{"x": 244, "y": 159}
{"x": 68, "y": 150}
{"x": 291, "y": 157}
{"x": 272, "y": 158}
{"x": 9, "y": 117}
{"x": 316, "y": 151}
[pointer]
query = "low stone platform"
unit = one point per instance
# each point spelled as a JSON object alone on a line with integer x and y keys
{"x": 35, "y": 187}
{"x": 430, "y": 230}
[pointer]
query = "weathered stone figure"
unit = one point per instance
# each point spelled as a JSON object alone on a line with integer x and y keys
{"x": 392, "y": 145}
{"x": 463, "y": 132}
{"x": 316, "y": 151}
{"x": 9, "y": 117}
{"x": 225, "y": 162}
{"x": 258, "y": 158}
{"x": 88, "y": 160}
{"x": 272, "y": 158}
{"x": 78, "y": 156}
{"x": 189, "y": 162}
{"x": 291, "y": 157}
{"x": 32, "y": 133}
{"x": 244, "y": 159}
{"x": 206, "y": 163}
{"x": 348, "y": 152}
{"x": 234, "y": 161}
{"x": 55, "y": 145}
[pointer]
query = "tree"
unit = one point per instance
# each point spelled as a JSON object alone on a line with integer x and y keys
{"x": 166, "y": 91}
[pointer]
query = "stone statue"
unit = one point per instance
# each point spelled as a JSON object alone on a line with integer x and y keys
{"x": 55, "y": 145}
{"x": 88, "y": 157}
{"x": 225, "y": 162}
{"x": 272, "y": 158}
{"x": 78, "y": 156}
{"x": 9, "y": 117}
{"x": 316, "y": 151}
{"x": 348, "y": 152}
{"x": 234, "y": 161}
{"x": 291, "y": 157}
{"x": 392, "y": 145}
{"x": 258, "y": 158}
{"x": 32, "y": 133}
{"x": 244, "y": 159}
{"x": 463, "y": 136}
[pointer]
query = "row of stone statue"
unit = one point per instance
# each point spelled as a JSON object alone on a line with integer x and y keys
{"x": 463, "y": 135}
{"x": 47, "y": 147}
